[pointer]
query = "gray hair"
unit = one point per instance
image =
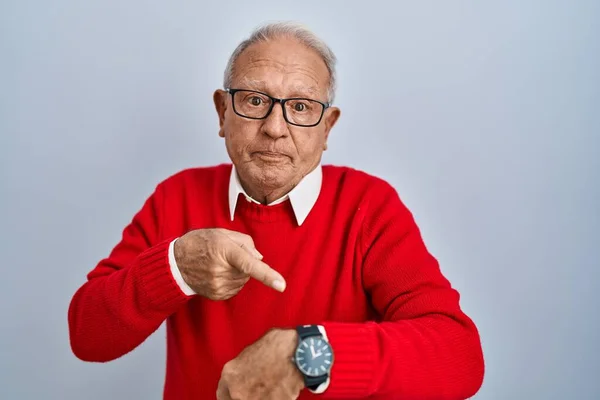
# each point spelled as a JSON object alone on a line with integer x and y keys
{"x": 288, "y": 30}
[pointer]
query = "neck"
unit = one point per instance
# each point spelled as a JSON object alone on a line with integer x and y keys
{"x": 266, "y": 194}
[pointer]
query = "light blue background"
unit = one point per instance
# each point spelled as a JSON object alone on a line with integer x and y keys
{"x": 484, "y": 115}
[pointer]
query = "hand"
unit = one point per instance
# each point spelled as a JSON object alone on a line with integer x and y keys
{"x": 263, "y": 370}
{"x": 217, "y": 263}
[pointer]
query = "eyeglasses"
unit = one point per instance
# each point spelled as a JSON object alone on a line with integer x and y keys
{"x": 296, "y": 111}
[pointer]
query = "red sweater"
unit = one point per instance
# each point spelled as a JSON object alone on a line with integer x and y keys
{"x": 357, "y": 265}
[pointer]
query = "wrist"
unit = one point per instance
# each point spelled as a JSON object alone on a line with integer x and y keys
{"x": 287, "y": 340}
{"x": 178, "y": 251}
{"x": 177, "y": 272}
{"x": 179, "y": 255}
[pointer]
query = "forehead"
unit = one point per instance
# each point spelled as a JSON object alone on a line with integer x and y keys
{"x": 282, "y": 66}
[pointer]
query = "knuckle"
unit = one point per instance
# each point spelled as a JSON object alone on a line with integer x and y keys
{"x": 217, "y": 239}
{"x": 212, "y": 245}
{"x": 236, "y": 389}
{"x": 228, "y": 370}
{"x": 215, "y": 286}
{"x": 248, "y": 239}
{"x": 235, "y": 393}
{"x": 210, "y": 233}
{"x": 246, "y": 267}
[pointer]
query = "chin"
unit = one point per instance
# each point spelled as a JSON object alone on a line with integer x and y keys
{"x": 272, "y": 176}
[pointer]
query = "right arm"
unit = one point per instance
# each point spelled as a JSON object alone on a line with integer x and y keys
{"x": 129, "y": 294}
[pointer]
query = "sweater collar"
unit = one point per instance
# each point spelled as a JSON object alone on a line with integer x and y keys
{"x": 302, "y": 197}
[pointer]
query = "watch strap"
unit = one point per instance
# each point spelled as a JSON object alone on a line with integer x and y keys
{"x": 313, "y": 382}
{"x": 305, "y": 331}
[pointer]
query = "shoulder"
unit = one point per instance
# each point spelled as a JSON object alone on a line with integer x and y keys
{"x": 195, "y": 180}
{"x": 355, "y": 180}
{"x": 374, "y": 198}
{"x": 197, "y": 175}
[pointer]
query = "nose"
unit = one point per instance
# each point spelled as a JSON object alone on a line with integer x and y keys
{"x": 275, "y": 125}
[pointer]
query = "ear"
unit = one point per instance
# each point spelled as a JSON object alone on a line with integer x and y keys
{"x": 220, "y": 100}
{"x": 329, "y": 119}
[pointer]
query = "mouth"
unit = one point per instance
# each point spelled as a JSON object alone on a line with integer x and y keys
{"x": 270, "y": 156}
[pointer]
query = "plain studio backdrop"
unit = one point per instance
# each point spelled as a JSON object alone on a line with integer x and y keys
{"x": 483, "y": 115}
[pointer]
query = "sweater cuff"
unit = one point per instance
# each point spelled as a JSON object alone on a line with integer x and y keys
{"x": 157, "y": 280}
{"x": 354, "y": 347}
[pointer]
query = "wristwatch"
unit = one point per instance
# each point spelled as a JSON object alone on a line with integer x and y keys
{"x": 313, "y": 357}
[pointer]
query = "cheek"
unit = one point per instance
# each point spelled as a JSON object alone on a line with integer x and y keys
{"x": 239, "y": 136}
{"x": 309, "y": 143}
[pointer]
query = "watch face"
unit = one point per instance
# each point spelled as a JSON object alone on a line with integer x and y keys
{"x": 314, "y": 356}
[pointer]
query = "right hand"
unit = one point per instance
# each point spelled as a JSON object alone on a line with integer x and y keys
{"x": 217, "y": 263}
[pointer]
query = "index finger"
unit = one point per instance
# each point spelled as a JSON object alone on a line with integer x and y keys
{"x": 255, "y": 268}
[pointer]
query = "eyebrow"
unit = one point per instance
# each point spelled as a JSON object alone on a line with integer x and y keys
{"x": 299, "y": 90}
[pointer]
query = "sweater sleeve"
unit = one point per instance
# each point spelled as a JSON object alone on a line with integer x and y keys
{"x": 128, "y": 295}
{"x": 423, "y": 346}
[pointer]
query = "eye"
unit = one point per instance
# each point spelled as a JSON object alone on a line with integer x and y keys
{"x": 255, "y": 100}
{"x": 299, "y": 106}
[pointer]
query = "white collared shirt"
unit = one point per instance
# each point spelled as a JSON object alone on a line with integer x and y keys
{"x": 302, "y": 198}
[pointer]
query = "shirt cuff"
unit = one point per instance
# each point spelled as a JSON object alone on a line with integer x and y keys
{"x": 185, "y": 288}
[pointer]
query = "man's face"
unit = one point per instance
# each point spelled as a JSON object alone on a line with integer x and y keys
{"x": 270, "y": 154}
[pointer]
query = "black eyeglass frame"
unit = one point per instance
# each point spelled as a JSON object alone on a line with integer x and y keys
{"x": 275, "y": 100}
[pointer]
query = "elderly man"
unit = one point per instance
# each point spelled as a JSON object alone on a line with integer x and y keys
{"x": 280, "y": 278}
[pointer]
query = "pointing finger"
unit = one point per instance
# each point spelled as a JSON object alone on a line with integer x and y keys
{"x": 256, "y": 269}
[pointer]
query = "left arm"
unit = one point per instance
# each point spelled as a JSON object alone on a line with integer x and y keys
{"x": 425, "y": 346}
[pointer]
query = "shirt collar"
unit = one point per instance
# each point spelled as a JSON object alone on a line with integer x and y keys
{"x": 302, "y": 197}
